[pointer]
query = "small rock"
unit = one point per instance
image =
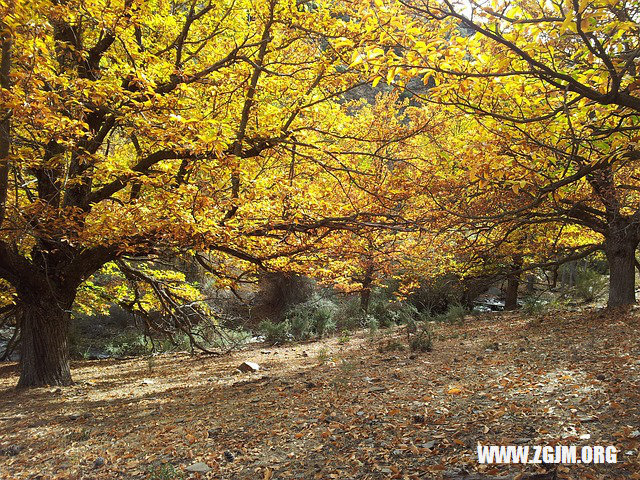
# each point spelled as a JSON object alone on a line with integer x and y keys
{"x": 419, "y": 419}
{"x": 385, "y": 470}
{"x": 246, "y": 367}
{"x": 585, "y": 436}
{"x": 634, "y": 434}
{"x": 229, "y": 456}
{"x": 522, "y": 441}
{"x": 11, "y": 450}
{"x": 198, "y": 467}
{"x": 57, "y": 391}
{"x": 587, "y": 419}
{"x": 98, "y": 462}
{"x": 148, "y": 381}
{"x": 600, "y": 376}
{"x": 430, "y": 444}
{"x": 360, "y": 413}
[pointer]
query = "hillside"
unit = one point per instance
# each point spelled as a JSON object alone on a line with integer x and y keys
{"x": 350, "y": 407}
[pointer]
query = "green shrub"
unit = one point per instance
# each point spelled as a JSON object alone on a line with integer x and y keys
{"x": 322, "y": 356}
{"x": 129, "y": 343}
{"x": 435, "y": 295}
{"x": 228, "y": 337}
{"x": 314, "y": 318}
{"x": 391, "y": 345}
{"x": 455, "y": 313}
{"x": 383, "y": 313}
{"x": 590, "y": 285}
{"x": 349, "y": 315}
{"x": 389, "y": 314}
{"x": 275, "y": 332}
{"x": 324, "y": 320}
{"x": 300, "y": 327}
{"x": 165, "y": 471}
{"x": 372, "y": 324}
{"x": 422, "y": 341}
{"x": 344, "y": 337}
{"x": 534, "y": 305}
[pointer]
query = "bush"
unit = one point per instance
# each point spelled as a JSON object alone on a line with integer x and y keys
{"x": 422, "y": 341}
{"x": 389, "y": 313}
{"x": 280, "y": 292}
{"x": 590, "y": 284}
{"x": 372, "y": 324}
{"x": 129, "y": 344}
{"x": 300, "y": 327}
{"x": 275, "y": 332}
{"x": 391, "y": 345}
{"x": 455, "y": 314}
{"x": 349, "y": 316}
{"x": 324, "y": 322}
{"x": 533, "y": 305}
{"x": 314, "y": 318}
{"x": 435, "y": 295}
{"x": 165, "y": 472}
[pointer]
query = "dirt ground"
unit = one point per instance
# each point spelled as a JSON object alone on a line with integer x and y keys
{"x": 341, "y": 408}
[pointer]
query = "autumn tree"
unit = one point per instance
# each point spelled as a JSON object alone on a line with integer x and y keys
{"x": 553, "y": 90}
{"x": 132, "y": 130}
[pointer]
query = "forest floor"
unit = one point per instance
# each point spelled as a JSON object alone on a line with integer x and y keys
{"x": 340, "y": 408}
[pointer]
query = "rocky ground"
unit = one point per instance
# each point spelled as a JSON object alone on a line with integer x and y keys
{"x": 344, "y": 408}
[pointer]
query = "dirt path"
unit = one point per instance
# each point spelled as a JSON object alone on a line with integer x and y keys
{"x": 346, "y": 411}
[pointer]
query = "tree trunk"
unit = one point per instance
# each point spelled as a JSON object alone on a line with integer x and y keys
{"x": 531, "y": 285}
{"x": 622, "y": 274}
{"x": 365, "y": 293}
{"x": 513, "y": 282}
{"x": 511, "y": 295}
{"x": 572, "y": 268}
{"x": 44, "y": 357}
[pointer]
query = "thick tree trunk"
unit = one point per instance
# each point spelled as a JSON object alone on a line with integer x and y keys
{"x": 365, "y": 298}
{"x": 511, "y": 295}
{"x": 622, "y": 274}
{"x": 531, "y": 285}
{"x": 513, "y": 282}
{"x": 365, "y": 293}
{"x": 44, "y": 357}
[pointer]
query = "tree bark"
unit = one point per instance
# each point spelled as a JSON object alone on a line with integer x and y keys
{"x": 531, "y": 286}
{"x": 513, "y": 282}
{"x": 44, "y": 356}
{"x": 365, "y": 293}
{"x": 622, "y": 275}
